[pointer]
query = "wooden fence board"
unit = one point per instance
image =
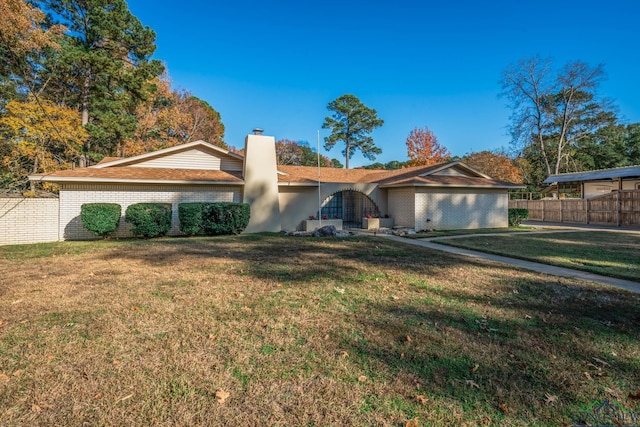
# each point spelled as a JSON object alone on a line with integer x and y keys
{"x": 618, "y": 208}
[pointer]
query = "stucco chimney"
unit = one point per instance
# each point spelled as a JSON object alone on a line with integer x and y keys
{"x": 261, "y": 183}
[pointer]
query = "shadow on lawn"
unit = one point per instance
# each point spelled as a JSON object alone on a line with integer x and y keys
{"x": 530, "y": 336}
{"x": 288, "y": 259}
{"x": 571, "y": 343}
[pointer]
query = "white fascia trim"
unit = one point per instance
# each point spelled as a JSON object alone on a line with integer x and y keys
{"x": 129, "y": 181}
{"x": 453, "y": 164}
{"x": 299, "y": 184}
{"x": 497, "y": 187}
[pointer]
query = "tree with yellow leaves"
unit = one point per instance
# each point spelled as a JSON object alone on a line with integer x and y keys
{"x": 38, "y": 137}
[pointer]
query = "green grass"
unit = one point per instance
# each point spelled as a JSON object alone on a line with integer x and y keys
{"x": 612, "y": 254}
{"x": 446, "y": 233}
{"x": 302, "y": 331}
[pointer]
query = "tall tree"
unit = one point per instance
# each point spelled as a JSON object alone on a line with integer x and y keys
{"x": 205, "y": 122}
{"x": 496, "y": 164}
{"x": 554, "y": 110}
{"x": 22, "y": 39}
{"x": 294, "y": 153}
{"x": 352, "y": 123}
{"x": 423, "y": 148}
{"x": 104, "y": 68}
{"x": 168, "y": 118}
{"x": 41, "y": 136}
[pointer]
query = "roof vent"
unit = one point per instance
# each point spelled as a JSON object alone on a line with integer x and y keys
{"x": 258, "y": 131}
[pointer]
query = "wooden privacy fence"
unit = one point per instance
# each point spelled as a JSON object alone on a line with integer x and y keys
{"x": 619, "y": 208}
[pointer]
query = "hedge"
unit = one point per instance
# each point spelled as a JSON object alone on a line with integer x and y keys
{"x": 100, "y": 218}
{"x": 190, "y": 215}
{"x": 516, "y": 216}
{"x": 213, "y": 218}
{"x": 149, "y": 219}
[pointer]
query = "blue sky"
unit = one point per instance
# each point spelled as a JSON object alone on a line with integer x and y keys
{"x": 277, "y": 64}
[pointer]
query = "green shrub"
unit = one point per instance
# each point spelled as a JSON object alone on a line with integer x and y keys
{"x": 101, "y": 218}
{"x": 190, "y": 215}
{"x": 149, "y": 219}
{"x": 225, "y": 218}
{"x": 516, "y": 216}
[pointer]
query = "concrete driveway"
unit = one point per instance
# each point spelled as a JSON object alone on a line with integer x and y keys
{"x": 530, "y": 265}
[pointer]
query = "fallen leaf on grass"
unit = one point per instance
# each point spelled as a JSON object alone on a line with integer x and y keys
{"x": 634, "y": 396}
{"x": 475, "y": 368}
{"x": 600, "y": 361}
{"x": 339, "y": 290}
{"x": 409, "y": 338}
{"x": 4, "y": 378}
{"x": 412, "y": 423}
{"x": 135, "y": 308}
{"x": 504, "y": 408}
{"x": 18, "y": 373}
{"x": 362, "y": 378}
{"x": 222, "y": 396}
{"x": 35, "y": 408}
{"x": 550, "y": 398}
{"x": 326, "y": 337}
{"x": 344, "y": 355}
{"x": 472, "y": 384}
{"x": 586, "y": 374}
{"x": 421, "y": 398}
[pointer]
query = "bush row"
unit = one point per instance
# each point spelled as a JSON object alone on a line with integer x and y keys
{"x": 213, "y": 218}
{"x": 516, "y": 216}
{"x": 154, "y": 219}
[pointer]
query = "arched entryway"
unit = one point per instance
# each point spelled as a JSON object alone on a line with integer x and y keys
{"x": 350, "y": 206}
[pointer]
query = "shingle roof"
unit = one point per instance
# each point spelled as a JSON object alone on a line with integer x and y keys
{"x": 135, "y": 174}
{"x": 624, "y": 172}
{"x": 302, "y": 175}
{"x": 386, "y": 178}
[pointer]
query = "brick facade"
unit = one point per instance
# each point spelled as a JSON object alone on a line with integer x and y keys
{"x": 73, "y": 196}
{"x": 402, "y": 206}
{"x": 461, "y": 208}
{"x": 28, "y": 220}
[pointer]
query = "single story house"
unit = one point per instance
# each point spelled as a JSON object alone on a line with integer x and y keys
{"x": 443, "y": 196}
{"x": 589, "y": 184}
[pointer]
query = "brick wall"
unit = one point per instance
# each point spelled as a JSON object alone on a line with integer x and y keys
{"x": 402, "y": 206}
{"x": 461, "y": 208}
{"x": 73, "y": 196}
{"x": 28, "y": 220}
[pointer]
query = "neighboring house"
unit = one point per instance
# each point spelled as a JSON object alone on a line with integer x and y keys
{"x": 443, "y": 196}
{"x": 589, "y": 184}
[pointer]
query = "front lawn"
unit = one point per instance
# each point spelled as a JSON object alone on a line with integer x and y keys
{"x": 461, "y": 232}
{"x": 608, "y": 253}
{"x": 274, "y": 330}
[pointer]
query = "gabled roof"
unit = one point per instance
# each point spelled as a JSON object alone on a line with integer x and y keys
{"x": 135, "y": 170}
{"x": 168, "y": 166}
{"x": 432, "y": 175}
{"x": 623, "y": 172}
{"x": 126, "y": 161}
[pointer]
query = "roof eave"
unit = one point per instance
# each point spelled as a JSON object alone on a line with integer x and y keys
{"x": 69, "y": 179}
{"x": 497, "y": 187}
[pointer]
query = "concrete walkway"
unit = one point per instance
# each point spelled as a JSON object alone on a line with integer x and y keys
{"x": 527, "y": 265}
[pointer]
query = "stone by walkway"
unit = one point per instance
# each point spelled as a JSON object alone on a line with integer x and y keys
{"x": 527, "y": 265}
